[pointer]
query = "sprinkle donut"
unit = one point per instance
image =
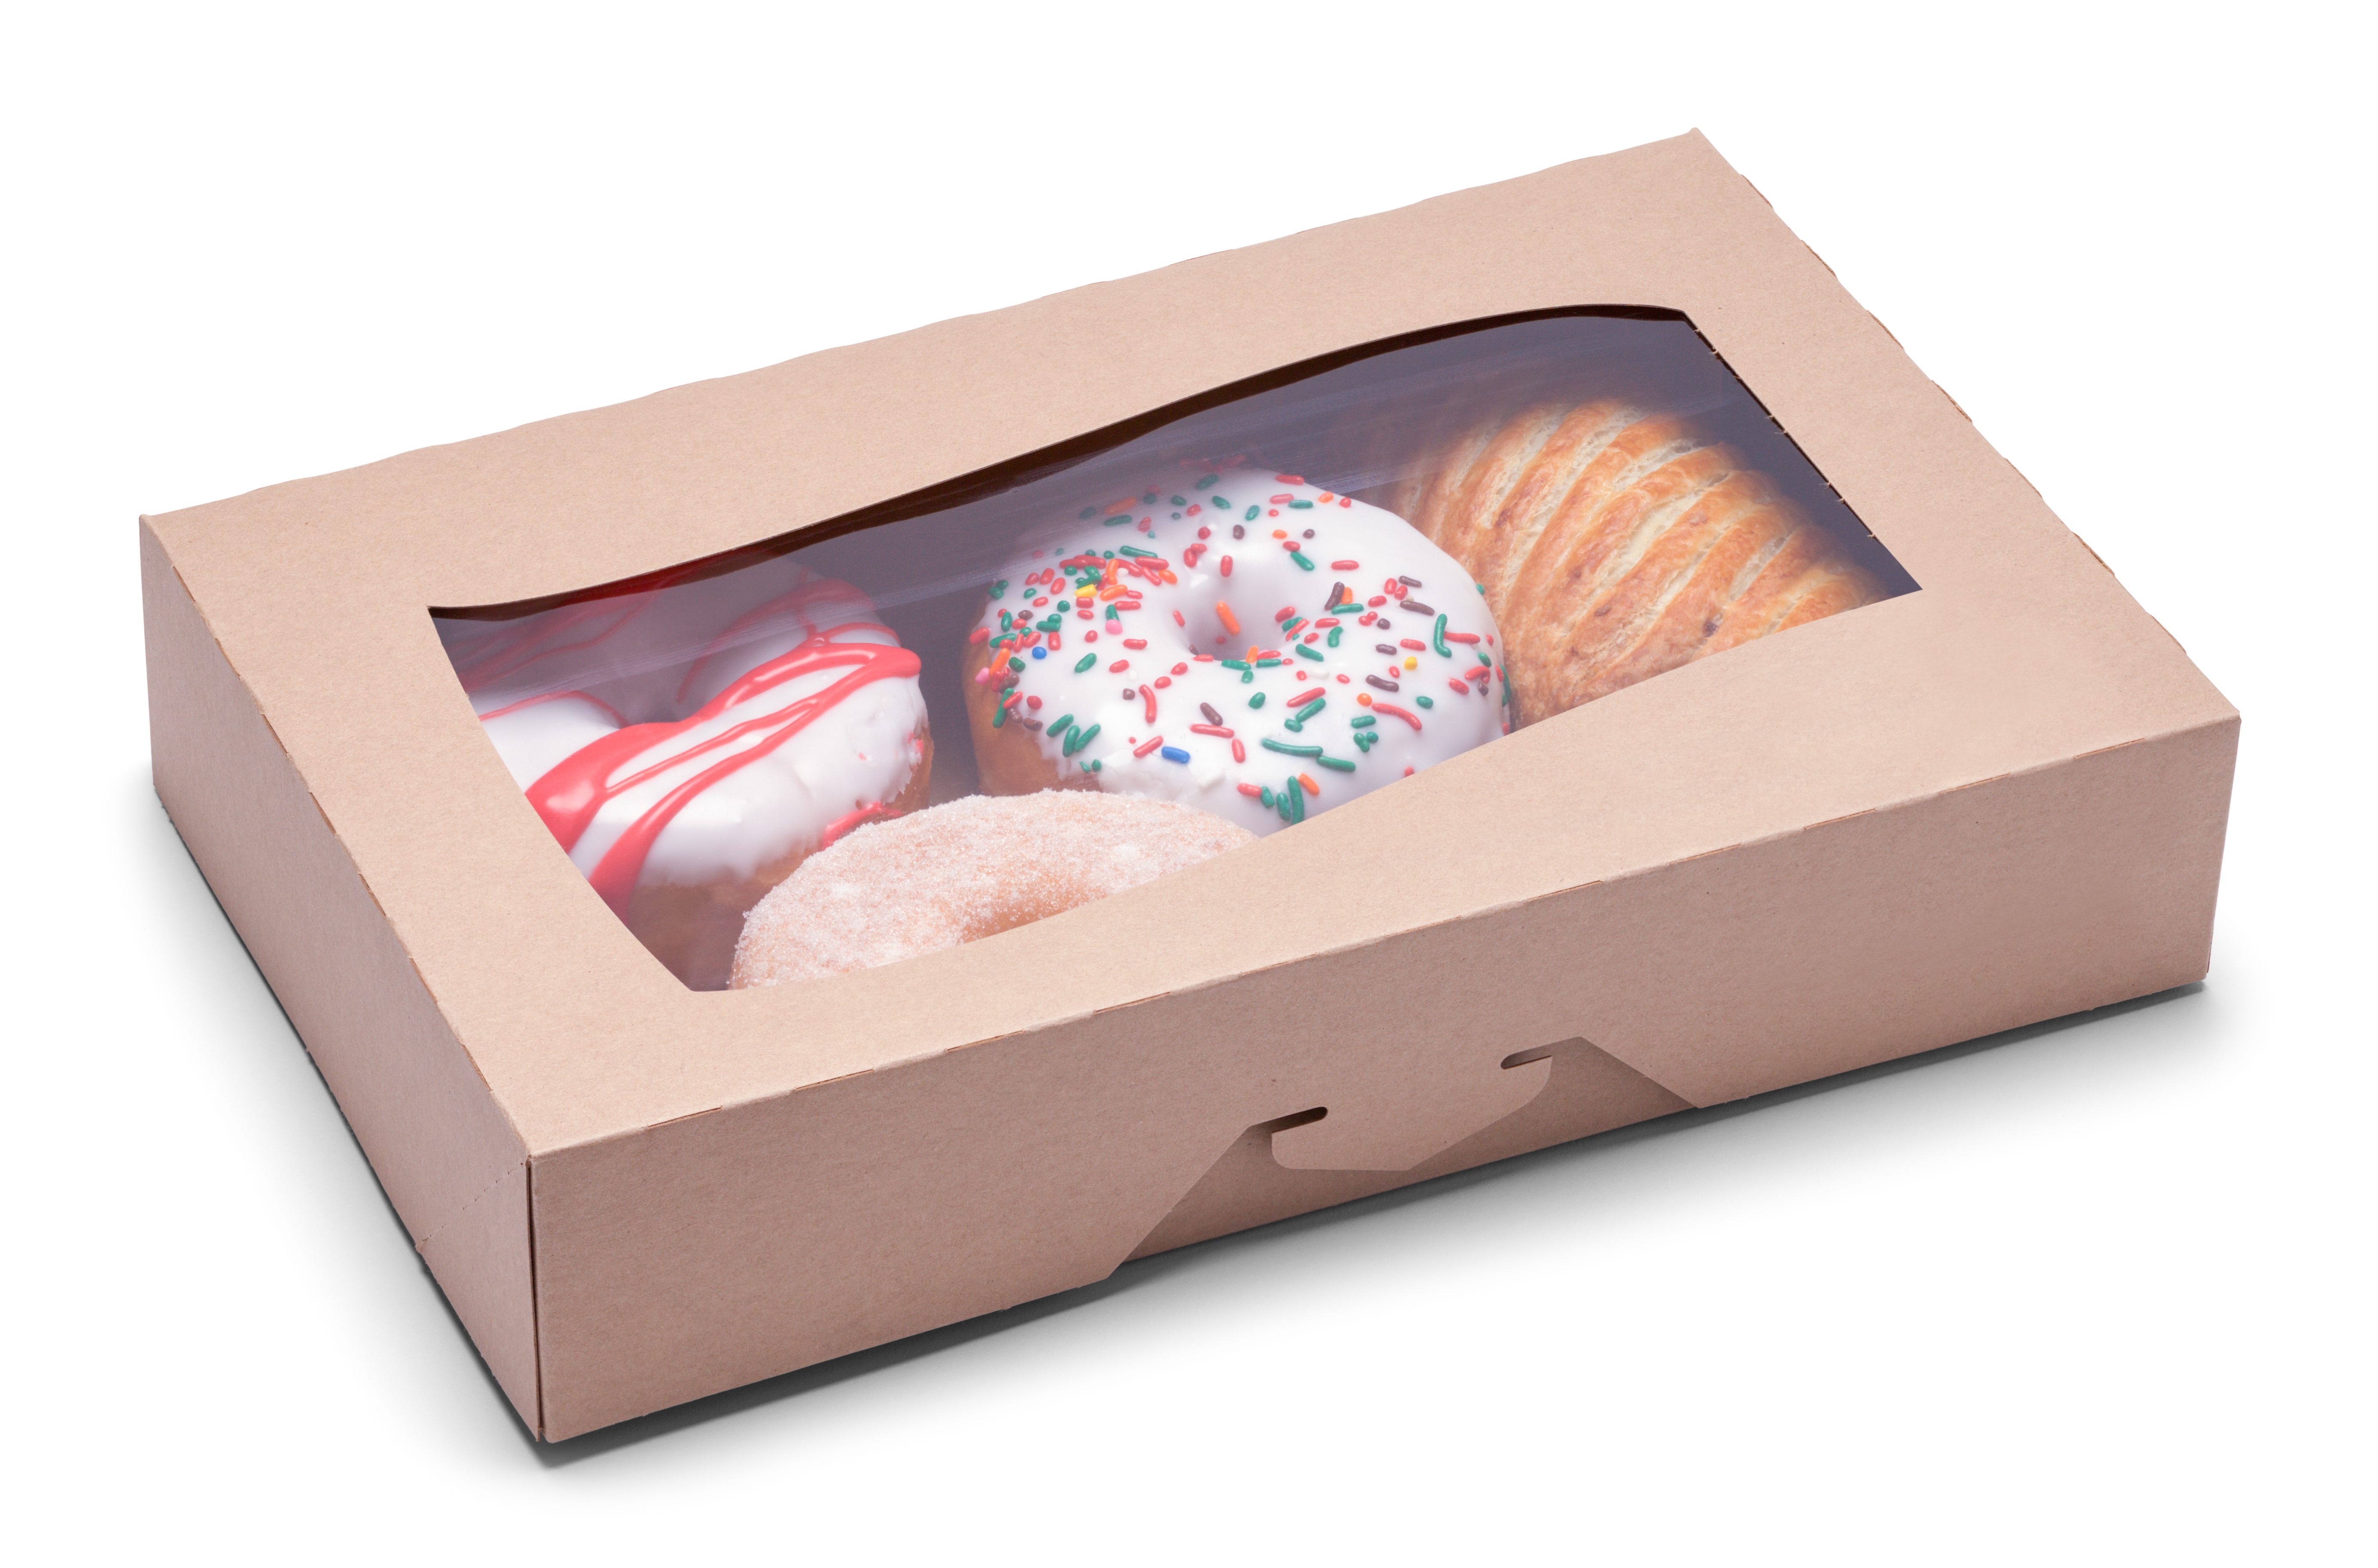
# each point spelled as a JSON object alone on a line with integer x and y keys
{"x": 1238, "y": 640}
{"x": 740, "y": 752}
{"x": 963, "y": 871}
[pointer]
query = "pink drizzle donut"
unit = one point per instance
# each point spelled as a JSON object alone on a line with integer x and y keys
{"x": 728, "y": 733}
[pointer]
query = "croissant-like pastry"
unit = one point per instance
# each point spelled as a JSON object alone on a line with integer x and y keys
{"x": 1617, "y": 540}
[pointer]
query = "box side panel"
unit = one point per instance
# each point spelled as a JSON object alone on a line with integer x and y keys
{"x": 443, "y": 1150}
{"x": 729, "y": 1246}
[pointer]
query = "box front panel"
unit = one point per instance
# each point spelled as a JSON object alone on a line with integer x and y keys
{"x": 708, "y": 1253}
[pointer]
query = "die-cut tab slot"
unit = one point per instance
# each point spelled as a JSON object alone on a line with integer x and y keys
{"x": 1589, "y": 1091}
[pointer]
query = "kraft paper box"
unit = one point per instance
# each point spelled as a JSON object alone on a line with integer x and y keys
{"x": 1994, "y": 794}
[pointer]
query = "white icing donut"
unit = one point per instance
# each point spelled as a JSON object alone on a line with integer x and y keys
{"x": 782, "y": 721}
{"x": 1174, "y": 645}
{"x": 533, "y": 737}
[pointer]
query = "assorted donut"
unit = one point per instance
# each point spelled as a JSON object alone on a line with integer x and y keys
{"x": 740, "y": 761}
{"x": 957, "y": 873}
{"x": 711, "y": 754}
{"x": 1244, "y": 642}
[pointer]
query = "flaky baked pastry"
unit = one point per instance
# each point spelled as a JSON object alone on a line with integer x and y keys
{"x": 1615, "y": 540}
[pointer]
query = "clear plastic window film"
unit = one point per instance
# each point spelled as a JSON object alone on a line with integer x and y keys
{"x": 895, "y": 732}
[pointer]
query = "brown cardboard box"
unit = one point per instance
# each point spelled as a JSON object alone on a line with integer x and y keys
{"x": 1995, "y": 800}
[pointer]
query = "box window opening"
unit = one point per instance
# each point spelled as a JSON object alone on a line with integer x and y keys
{"x": 1047, "y": 684}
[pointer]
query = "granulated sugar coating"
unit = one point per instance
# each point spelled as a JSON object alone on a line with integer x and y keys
{"x": 963, "y": 871}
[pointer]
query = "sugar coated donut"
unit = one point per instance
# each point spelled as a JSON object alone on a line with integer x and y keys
{"x": 1238, "y": 640}
{"x": 756, "y": 730}
{"x": 960, "y": 872}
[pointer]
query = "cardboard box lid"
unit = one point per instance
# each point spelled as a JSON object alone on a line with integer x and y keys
{"x": 2019, "y": 652}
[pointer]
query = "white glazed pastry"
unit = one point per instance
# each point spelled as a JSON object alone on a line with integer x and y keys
{"x": 828, "y": 730}
{"x": 1241, "y": 641}
{"x": 779, "y": 730}
{"x": 533, "y": 736}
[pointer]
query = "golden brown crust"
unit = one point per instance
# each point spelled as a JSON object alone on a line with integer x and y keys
{"x": 1774, "y": 586}
{"x": 692, "y": 931}
{"x": 1616, "y": 539}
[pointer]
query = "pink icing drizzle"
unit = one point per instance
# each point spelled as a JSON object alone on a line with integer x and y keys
{"x": 573, "y": 793}
{"x": 551, "y": 696}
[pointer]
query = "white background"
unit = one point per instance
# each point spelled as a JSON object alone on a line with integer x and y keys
{"x": 2097, "y": 1293}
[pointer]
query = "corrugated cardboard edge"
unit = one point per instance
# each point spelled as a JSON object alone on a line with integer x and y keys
{"x": 448, "y": 1158}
